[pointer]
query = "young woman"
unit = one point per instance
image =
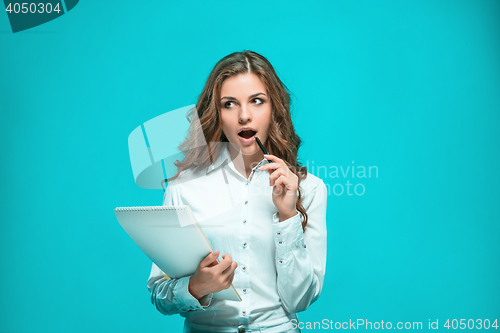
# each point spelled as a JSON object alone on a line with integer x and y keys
{"x": 269, "y": 219}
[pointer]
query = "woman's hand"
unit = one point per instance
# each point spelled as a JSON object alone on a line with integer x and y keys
{"x": 285, "y": 184}
{"x": 210, "y": 276}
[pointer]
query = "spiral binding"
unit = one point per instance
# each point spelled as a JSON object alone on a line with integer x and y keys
{"x": 148, "y": 208}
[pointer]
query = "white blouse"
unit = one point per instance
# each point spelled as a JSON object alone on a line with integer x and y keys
{"x": 280, "y": 269}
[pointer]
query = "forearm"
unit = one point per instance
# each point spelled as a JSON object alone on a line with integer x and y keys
{"x": 299, "y": 282}
{"x": 172, "y": 296}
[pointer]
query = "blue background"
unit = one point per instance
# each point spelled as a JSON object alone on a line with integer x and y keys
{"x": 412, "y": 87}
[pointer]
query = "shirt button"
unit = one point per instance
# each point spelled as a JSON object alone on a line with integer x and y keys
{"x": 281, "y": 261}
{"x": 280, "y": 242}
{"x": 244, "y": 269}
{"x": 246, "y": 202}
{"x": 244, "y": 291}
{"x": 244, "y": 313}
{"x": 246, "y": 184}
{"x": 244, "y": 221}
{"x": 245, "y": 244}
{"x": 278, "y": 233}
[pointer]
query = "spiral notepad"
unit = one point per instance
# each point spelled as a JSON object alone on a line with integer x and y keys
{"x": 172, "y": 238}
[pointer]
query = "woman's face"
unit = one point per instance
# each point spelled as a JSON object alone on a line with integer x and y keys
{"x": 245, "y": 104}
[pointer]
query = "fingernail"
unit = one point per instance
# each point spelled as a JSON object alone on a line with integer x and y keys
{"x": 216, "y": 253}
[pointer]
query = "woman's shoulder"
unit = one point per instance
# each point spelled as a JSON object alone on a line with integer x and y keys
{"x": 188, "y": 175}
{"x": 313, "y": 189}
{"x": 311, "y": 183}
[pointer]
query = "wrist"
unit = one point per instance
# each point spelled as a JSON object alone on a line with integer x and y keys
{"x": 192, "y": 291}
{"x": 286, "y": 215}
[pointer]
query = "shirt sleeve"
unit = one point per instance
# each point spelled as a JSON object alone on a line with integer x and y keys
{"x": 169, "y": 295}
{"x": 301, "y": 256}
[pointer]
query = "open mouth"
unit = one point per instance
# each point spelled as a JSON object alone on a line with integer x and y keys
{"x": 247, "y": 134}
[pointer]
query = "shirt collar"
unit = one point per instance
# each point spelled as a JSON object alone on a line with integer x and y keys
{"x": 223, "y": 158}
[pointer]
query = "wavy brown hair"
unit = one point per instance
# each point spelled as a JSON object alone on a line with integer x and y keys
{"x": 282, "y": 142}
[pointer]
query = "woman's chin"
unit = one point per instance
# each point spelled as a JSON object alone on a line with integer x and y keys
{"x": 252, "y": 150}
{"x": 245, "y": 149}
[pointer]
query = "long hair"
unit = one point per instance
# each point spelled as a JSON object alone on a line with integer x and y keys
{"x": 282, "y": 142}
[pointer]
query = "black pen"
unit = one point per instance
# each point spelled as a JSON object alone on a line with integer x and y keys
{"x": 261, "y": 147}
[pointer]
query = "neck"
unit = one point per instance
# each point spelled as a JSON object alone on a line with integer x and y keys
{"x": 247, "y": 163}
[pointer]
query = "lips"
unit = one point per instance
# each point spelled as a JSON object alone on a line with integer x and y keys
{"x": 247, "y": 132}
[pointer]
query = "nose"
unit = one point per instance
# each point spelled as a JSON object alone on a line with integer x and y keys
{"x": 245, "y": 114}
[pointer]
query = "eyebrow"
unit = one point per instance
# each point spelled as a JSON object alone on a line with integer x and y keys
{"x": 234, "y": 99}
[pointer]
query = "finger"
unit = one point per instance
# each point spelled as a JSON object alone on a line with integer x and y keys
{"x": 209, "y": 259}
{"x": 275, "y": 175}
{"x": 281, "y": 172}
{"x": 271, "y": 167}
{"x": 230, "y": 278}
{"x": 281, "y": 185}
{"x": 277, "y": 190}
{"x": 287, "y": 186}
{"x": 273, "y": 158}
{"x": 230, "y": 270}
{"x": 285, "y": 182}
{"x": 224, "y": 264}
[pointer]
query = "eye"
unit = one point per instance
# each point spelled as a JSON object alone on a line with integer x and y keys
{"x": 227, "y": 105}
{"x": 258, "y": 101}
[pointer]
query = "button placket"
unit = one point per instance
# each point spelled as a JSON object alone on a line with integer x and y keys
{"x": 244, "y": 253}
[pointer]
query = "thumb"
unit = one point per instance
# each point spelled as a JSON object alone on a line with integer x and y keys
{"x": 210, "y": 259}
